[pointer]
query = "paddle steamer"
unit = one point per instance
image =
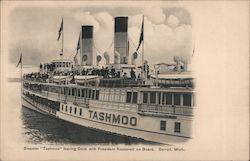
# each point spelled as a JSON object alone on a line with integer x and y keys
{"x": 120, "y": 97}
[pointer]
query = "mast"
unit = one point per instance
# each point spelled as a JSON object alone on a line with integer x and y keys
{"x": 62, "y": 39}
{"x": 142, "y": 70}
{"x": 20, "y": 62}
{"x": 21, "y": 74}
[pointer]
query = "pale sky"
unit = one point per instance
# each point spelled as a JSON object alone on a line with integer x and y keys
{"x": 34, "y": 31}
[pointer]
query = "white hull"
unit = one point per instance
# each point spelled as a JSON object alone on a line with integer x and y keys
{"x": 138, "y": 131}
{"x": 146, "y": 135}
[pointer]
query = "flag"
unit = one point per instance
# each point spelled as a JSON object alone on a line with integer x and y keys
{"x": 142, "y": 34}
{"x": 78, "y": 44}
{"x": 20, "y": 61}
{"x": 60, "y": 30}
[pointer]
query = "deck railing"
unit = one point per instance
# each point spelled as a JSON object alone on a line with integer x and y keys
{"x": 159, "y": 109}
{"x": 114, "y": 105}
{"x": 61, "y": 97}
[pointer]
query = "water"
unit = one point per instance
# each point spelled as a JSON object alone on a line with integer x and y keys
{"x": 42, "y": 128}
{"x": 37, "y": 128}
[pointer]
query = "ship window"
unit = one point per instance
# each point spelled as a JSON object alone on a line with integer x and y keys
{"x": 62, "y": 107}
{"x": 70, "y": 109}
{"x": 75, "y": 110}
{"x": 159, "y": 98}
{"x": 177, "y": 127}
{"x": 93, "y": 94}
{"x": 69, "y": 91}
{"x": 134, "y": 97}
{"x": 83, "y": 92}
{"x": 129, "y": 94}
{"x": 163, "y": 125}
{"x": 66, "y": 109}
{"x": 145, "y": 97}
{"x": 97, "y": 94}
{"x": 73, "y": 92}
{"x": 79, "y": 93}
{"x": 80, "y": 112}
{"x": 168, "y": 98}
{"x": 187, "y": 99}
{"x": 89, "y": 96}
{"x": 177, "y": 99}
{"x": 67, "y": 65}
{"x": 152, "y": 97}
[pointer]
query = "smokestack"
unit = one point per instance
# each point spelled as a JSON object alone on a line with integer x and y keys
{"x": 121, "y": 39}
{"x": 86, "y": 47}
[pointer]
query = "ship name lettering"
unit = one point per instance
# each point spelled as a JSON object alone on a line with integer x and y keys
{"x": 113, "y": 118}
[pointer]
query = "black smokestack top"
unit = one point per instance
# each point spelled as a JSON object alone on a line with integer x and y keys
{"x": 86, "y": 46}
{"x": 121, "y": 24}
{"x": 87, "y": 32}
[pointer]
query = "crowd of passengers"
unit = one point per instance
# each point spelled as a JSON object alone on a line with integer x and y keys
{"x": 104, "y": 72}
{"x": 37, "y": 76}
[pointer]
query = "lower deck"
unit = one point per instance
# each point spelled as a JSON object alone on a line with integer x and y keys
{"x": 126, "y": 120}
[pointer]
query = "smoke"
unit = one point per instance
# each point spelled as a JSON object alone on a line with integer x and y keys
{"x": 86, "y": 18}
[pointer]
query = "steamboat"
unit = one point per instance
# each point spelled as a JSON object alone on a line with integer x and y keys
{"x": 120, "y": 97}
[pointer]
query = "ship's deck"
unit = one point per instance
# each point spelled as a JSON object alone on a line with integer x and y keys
{"x": 140, "y": 88}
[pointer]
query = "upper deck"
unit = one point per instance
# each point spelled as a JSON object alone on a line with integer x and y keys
{"x": 145, "y": 100}
{"x": 102, "y": 79}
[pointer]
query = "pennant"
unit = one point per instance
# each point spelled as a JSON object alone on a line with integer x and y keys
{"x": 141, "y": 35}
{"x": 20, "y": 61}
{"x": 60, "y": 30}
{"x": 78, "y": 44}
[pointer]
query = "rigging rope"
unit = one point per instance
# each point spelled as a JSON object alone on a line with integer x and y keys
{"x": 133, "y": 44}
{"x": 109, "y": 46}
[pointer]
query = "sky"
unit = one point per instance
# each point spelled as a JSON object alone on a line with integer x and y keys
{"x": 34, "y": 31}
